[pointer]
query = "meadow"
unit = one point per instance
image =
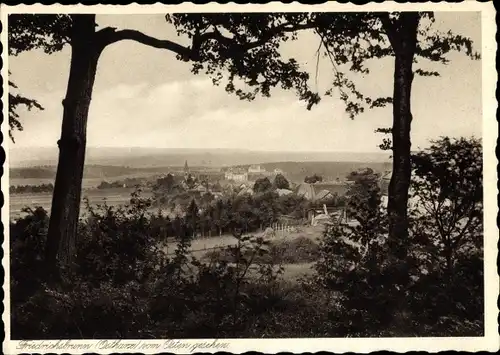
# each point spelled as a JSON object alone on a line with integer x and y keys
{"x": 113, "y": 197}
{"x": 292, "y": 246}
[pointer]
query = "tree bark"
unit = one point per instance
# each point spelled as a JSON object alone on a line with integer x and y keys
{"x": 61, "y": 240}
{"x": 403, "y": 36}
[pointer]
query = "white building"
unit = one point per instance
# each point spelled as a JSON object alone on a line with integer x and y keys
{"x": 284, "y": 192}
{"x": 236, "y": 176}
{"x": 256, "y": 169}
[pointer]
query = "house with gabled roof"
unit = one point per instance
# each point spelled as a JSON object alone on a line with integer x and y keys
{"x": 323, "y": 195}
{"x": 321, "y": 192}
{"x": 307, "y": 191}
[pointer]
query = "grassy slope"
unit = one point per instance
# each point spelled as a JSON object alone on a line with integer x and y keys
{"x": 294, "y": 244}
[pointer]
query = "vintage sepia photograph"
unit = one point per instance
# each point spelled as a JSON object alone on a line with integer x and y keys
{"x": 223, "y": 172}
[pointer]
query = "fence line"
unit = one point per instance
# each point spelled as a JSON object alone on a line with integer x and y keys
{"x": 281, "y": 228}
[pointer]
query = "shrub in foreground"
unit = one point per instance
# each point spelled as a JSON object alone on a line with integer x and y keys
{"x": 382, "y": 295}
{"x": 295, "y": 251}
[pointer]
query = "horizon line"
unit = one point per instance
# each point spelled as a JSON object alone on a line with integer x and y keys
{"x": 202, "y": 148}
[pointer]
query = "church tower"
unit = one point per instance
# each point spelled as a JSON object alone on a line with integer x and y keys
{"x": 186, "y": 169}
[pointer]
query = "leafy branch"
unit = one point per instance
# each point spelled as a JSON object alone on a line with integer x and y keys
{"x": 16, "y": 100}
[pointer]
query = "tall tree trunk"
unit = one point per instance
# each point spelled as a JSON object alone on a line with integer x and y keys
{"x": 61, "y": 241}
{"x": 403, "y": 36}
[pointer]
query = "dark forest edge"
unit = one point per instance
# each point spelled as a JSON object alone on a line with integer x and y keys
{"x": 123, "y": 285}
{"x": 22, "y": 189}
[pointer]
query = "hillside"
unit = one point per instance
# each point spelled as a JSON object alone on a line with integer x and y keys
{"x": 162, "y": 157}
{"x": 296, "y": 171}
{"x": 38, "y": 172}
{"x": 90, "y": 172}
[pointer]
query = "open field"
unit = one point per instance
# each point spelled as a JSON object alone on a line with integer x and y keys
{"x": 88, "y": 183}
{"x": 200, "y": 246}
{"x": 90, "y": 171}
{"x": 113, "y": 197}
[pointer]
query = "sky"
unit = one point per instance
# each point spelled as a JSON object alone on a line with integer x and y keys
{"x": 144, "y": 97}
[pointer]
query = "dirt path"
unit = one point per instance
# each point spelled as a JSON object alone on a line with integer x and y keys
{"x": 291, "y": 272}
{"x": 204, "y": 244}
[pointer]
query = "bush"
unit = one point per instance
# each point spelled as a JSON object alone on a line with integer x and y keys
{"x": 296, "y": 251}
{"x": 84, "y": 311}
{"x": 447, "y": 190}
{"x": 438, "y": 288}
{"x": 27, "y": 244}
{"x": 453, "y": 307}
{"x": 384, "y": 296}
{"x": 118, "y": 245}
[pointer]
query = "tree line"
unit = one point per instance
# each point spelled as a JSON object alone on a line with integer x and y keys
{"x": 246, "y": 213}
{"x": 127, "y": 182}
{"x": 21, "y": 189}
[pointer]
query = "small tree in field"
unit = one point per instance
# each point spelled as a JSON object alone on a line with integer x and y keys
{"x": 280, "y": 182}
{"x": 262, "y": 185}
{"x": 364, "y": 199}
{"x": 166, "y": 183}
{"x": 191, "y": 182}
{"x": 448, "y": 192}
{"x": 192, "y": 218}
{"x": 313, "y": 179}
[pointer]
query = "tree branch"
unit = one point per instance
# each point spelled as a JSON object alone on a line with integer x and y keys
{"x": 464, "y": 230}
{"x": 402, "y": 30}
{"x": 231, "y": 44}
{"x": 390, "y": 29}
{"x": 109, "y": 35}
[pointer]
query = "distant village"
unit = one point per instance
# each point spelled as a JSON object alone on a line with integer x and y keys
{"x": 175, "y": 189}
{"x": 322, "y": 199}
{"x": 241, "y": 180}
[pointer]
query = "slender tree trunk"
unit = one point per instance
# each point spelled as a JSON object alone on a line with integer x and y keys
{"x": 403, "y": 35}
{"x": 448, "y": 262}
{"x": 61, "y": 241}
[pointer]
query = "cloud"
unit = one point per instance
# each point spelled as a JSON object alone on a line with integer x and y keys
{"x": 144, "y": 97}
{"x": 194, "y": 113}
{"x": 122, "y": 92}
